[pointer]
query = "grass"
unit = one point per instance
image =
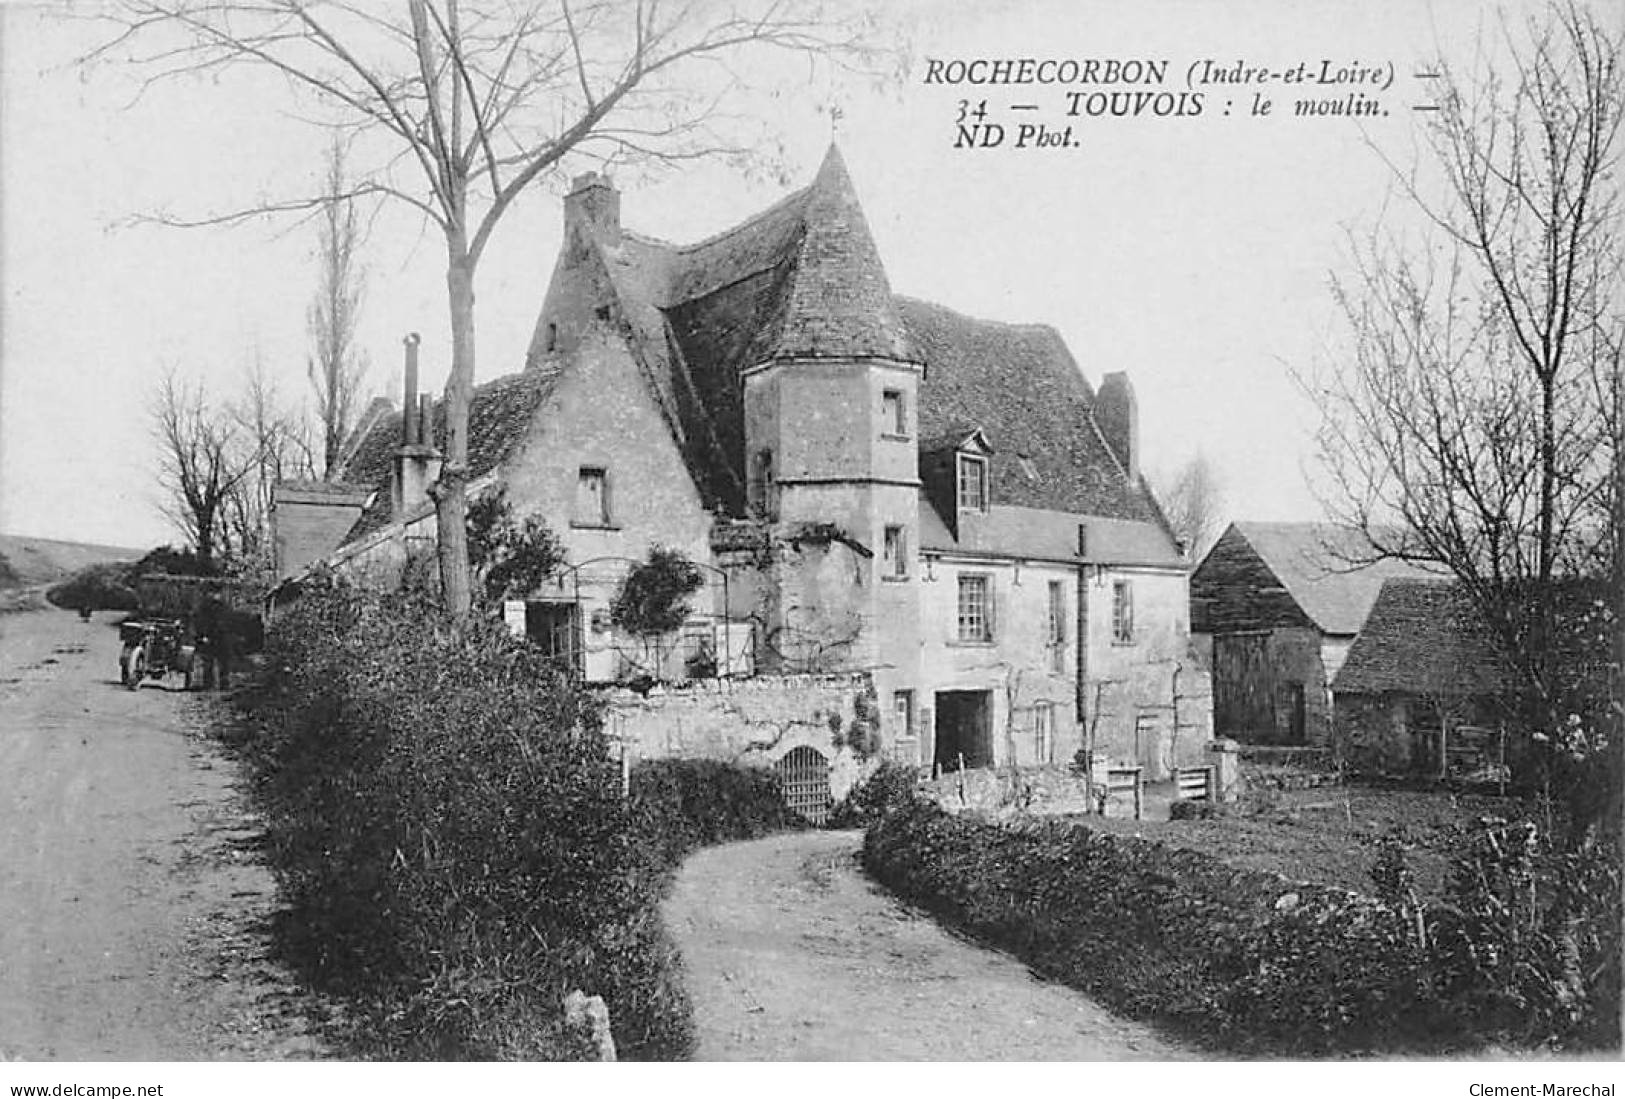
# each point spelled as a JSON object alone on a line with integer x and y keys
{"x": 1329, "y": 836}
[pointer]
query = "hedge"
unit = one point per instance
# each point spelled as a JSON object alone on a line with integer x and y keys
{"x": 1241, "y": 961}
{"x": 452, "y": 843}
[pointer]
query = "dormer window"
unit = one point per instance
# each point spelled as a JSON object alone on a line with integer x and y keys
{"x": 972, "y": 483}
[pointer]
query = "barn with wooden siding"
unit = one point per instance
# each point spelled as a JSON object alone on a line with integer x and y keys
{"x": 1279, "y": 604}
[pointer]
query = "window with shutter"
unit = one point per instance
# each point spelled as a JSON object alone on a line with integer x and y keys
{"x": 592, "y": 497}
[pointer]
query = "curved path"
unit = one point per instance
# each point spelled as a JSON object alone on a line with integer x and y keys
{"x": 792, "y": 954}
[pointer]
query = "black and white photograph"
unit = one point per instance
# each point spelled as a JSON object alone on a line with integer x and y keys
{"x": 811, "y": 531}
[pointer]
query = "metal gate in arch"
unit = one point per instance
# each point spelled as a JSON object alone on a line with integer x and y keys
{"x": 804, "y": 778}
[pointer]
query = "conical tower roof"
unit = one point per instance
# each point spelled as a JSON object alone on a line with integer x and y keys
{"x": 838, "y": 302}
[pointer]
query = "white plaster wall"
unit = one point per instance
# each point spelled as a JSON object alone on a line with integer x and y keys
{"x": 1017, "y": 667}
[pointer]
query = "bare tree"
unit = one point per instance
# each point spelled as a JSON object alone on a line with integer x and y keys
{"x": 337, "y": 367}
{"x": 1473, "y": 418}
{"x": 270, "y": 444}
{"x": 201, "y": 463}
{"x": 1193, "y": 500}
{"x": 476, "y": 101}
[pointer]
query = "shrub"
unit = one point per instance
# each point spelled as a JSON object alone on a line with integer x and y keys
{"x": 95, "y": 588}
{"x": 1188, "y": 809}
{"x": 888, "y": 788}
{"x": 1528, "y": 938}
{"x": 450, "y": 836}
{"x": 509, "y": 558}
{"x": 653, "y": 599}
{"x": 1248, "y": 962}
{"x": 438, "y": 805}
{"x": 169, "y": 561}
{"x": 680, "y": 805}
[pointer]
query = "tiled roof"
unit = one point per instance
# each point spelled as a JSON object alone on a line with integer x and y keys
{"x": 754, "y": 245}
{"x": 1323, "y": 568}
{"x": 838, "y": 303}
{"x": 803, "y": 279}
{"x": 324, "y": 488}
{"x": 1422, "y": 637}
{"x": 1021, "y": 386}
{"x": 1049, "y": 535}
{"x": 498, "y": 415}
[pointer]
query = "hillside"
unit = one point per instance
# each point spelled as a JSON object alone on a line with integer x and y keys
{"x": 25, "y": 561}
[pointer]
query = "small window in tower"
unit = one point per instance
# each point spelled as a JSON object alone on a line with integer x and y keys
{"x": 895, "y": 555}
{"x": 552, "y": 336}
{"x": 893, "y": 414}
{"x": 592, "y": 497}
{"x": 762, "y": 500}
{"x": 972, "y": 483}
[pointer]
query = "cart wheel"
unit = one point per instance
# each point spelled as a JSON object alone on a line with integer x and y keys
{"x": 138, "y": 669}
{"x": 125, "y": 665}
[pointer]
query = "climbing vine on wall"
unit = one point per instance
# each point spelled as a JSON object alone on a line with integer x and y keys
{"x": 653, "y": 599}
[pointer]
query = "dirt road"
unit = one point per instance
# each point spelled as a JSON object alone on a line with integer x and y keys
{"x": 131, "y": 904}
{"x": 790, "y": 953}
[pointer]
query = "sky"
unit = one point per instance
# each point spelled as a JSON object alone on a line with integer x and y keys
{"x": 1193, "y": 252}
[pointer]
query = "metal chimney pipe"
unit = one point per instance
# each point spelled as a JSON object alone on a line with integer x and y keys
{"x": 410, "y": 430}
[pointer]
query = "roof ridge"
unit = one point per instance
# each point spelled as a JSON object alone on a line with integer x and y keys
{"x": 1026, "y": 325}
{"x": 750, "y": 222}
{"x": 671, "y": 307}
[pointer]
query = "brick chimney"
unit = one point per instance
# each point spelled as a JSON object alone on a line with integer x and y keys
{"x": 1119, "y": 420}
{"x": 595, "y": 205}
{"x": 417, "y": 462}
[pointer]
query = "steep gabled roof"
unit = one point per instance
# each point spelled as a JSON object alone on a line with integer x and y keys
{"x": 1422, "y": 637}
{"x": 1298, "y": 574}
{"x": 1019, "y": 384}
{"x": 804, "y": 280}
{"x": 498, "y": 415}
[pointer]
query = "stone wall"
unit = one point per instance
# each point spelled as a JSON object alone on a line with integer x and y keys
{"x": 1372, "y": 733}
{"x": 752, "y": 722}
{"x": 1395, "y": 734}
